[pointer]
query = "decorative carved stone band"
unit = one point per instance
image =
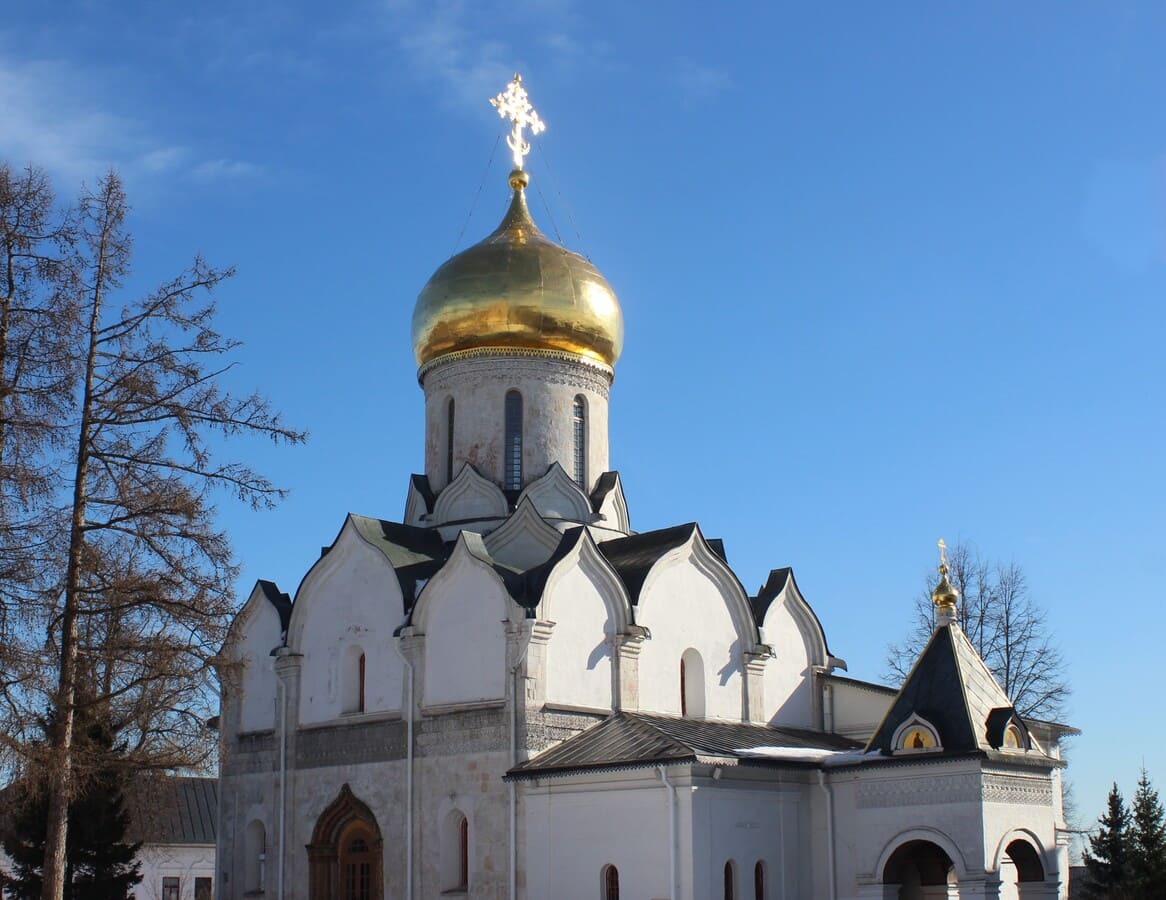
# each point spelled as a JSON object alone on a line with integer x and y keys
{"x": 1011, "y": 789}
{"x": 920, "y": 792}
{"x": 573, "y": 370}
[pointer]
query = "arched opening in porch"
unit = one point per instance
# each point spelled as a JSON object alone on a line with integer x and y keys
{"x": 345, "y": 857}
{"x": 918, "y": 870}
{"x": 1022, "y": 874}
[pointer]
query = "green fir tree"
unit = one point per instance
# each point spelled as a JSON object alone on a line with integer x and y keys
{"x": 1147, "y": 842}
{"x": 100, "y": 864}
{"x": 1107, "y": 859}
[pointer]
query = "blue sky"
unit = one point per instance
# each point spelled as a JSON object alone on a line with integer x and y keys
{"x": 889, "y": 272}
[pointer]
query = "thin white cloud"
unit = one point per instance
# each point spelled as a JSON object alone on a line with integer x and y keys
{"x": 58, "y": 118}
{"x": 702, "y": 82}
{"x": 466, "y": 51}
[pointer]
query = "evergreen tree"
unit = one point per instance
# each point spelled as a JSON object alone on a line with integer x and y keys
{"x": 99, "y": 863}
{"x": 1108, "y": 857}
{"x": 1147, "y": 842}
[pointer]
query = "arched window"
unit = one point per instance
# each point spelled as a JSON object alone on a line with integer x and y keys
{"x": 356, "y": 863}
{"x": 610, "y": 883}
{"x": 512, "y": 451}
{"x": 759, "y": 880}
{"x": 455, "y": 853}
{"x": 255, "y": 856}
{"x": 730, "y": 880}
{"x": 449, "y": 442}
{"x": 692, "y": 684}
{"x": 579, "y": 432}
{"x": 352, "y": 680}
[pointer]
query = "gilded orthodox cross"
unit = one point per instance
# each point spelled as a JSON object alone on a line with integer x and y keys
{"x": 514, "y": 105}
{"x": 942, "y": 553}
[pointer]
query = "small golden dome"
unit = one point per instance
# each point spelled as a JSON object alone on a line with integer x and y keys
{"x": 518, "y": 290}
{"x": 944, "y": 594}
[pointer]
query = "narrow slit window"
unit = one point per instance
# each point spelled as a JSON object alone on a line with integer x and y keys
{"x": 579, "y": 428}
{"x": 512, "y": 479}
{"x": 464, "y": 853}
{"x": 360, "y": 684}
{"x": 759, "y": 880}
{"x": 449, "y": 442}
{"x": 730, "y": 881}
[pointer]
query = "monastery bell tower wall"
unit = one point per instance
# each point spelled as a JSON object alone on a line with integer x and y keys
{"x": 511, "y": 416}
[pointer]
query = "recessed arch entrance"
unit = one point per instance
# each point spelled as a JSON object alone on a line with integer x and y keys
{"x": 345, "y": 857}
{"x": 1022, "y": 870}
{"x": 919, "y": 869}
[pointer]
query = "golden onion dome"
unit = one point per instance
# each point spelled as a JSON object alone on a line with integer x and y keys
{"x": 518, "y": 290}
{"x": 944, "y": 595}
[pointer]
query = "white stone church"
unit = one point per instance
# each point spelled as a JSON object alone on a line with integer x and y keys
{"x": 511, "y": 694}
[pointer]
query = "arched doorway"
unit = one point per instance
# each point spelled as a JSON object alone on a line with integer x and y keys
{"x": 346, "y": 852}
{"x": 1022, "y": 874}
{"x": 920, "y": 870}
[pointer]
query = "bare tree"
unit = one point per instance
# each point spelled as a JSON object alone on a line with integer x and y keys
{"x": 1005, "y": 625}
{"x": 135, "y": 582}
{"x": 37, "y": 331}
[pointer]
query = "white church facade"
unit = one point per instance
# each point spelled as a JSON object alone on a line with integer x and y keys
{"x": 511, "y": 694}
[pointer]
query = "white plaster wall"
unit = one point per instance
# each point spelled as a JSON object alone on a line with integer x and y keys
{"x": 857, "y": 712}
{"x": 256, "y": 692}
{"x": 683, "y": 607}
{"x": 182, "y": 861}
{"x": 478, "y": 386}
{"x": 352, "y": 597}
{"x": 788, "y": 681}
{"x": 571, "y": 831}
{"x": 579, "y": 653}
{"x": 464, "y": 608}
{"x": 877, "y": 808}
{"x": 746, "y": 826}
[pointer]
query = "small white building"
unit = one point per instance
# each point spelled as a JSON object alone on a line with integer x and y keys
{"x": 174, "y": 818}
{"x": 511, "y": 694}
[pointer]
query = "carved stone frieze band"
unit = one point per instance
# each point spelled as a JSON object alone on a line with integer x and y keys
{"x": 920, "y": 791}
{"x": 546, "y": 365}
{"x": 1011, "y": 789}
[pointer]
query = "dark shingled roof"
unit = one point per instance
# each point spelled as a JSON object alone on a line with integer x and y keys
{"x": 278, "y": 599}
{"x": 631, "y": 740}
{"x": 604, "y": 486}
{"x": 633, "y": 557}
{"x": 173, "y": 810}
{"x": 414, "y": 553}
{"x": 773, "y": 586}
{"x": 952, "y": 688}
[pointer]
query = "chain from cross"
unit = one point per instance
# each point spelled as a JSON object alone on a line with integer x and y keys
{"x": 513, "y": 104}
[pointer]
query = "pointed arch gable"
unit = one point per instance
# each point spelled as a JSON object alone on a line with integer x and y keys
{"x": 584, "y": 556}
{"x": 697, "y": 550}
{"x": 462, "y": 615}
{"x": 610, "y": 504}
{"x": 556, "y": 496}
{"x": 525, "y": 540}
{"x": 418, "y": 502}
{"x": 585, "y": 598}
{"x": 469, "y": 560}
{"x": 245, "y": 669}
{"x": 468, "y": 497}
{"x": 691, "y": 600}
{"x": 790, "y": 601}
{"x": 349, "y": 563}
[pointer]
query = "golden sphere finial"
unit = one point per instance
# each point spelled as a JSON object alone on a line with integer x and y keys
{"x": 518, "y": 180}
